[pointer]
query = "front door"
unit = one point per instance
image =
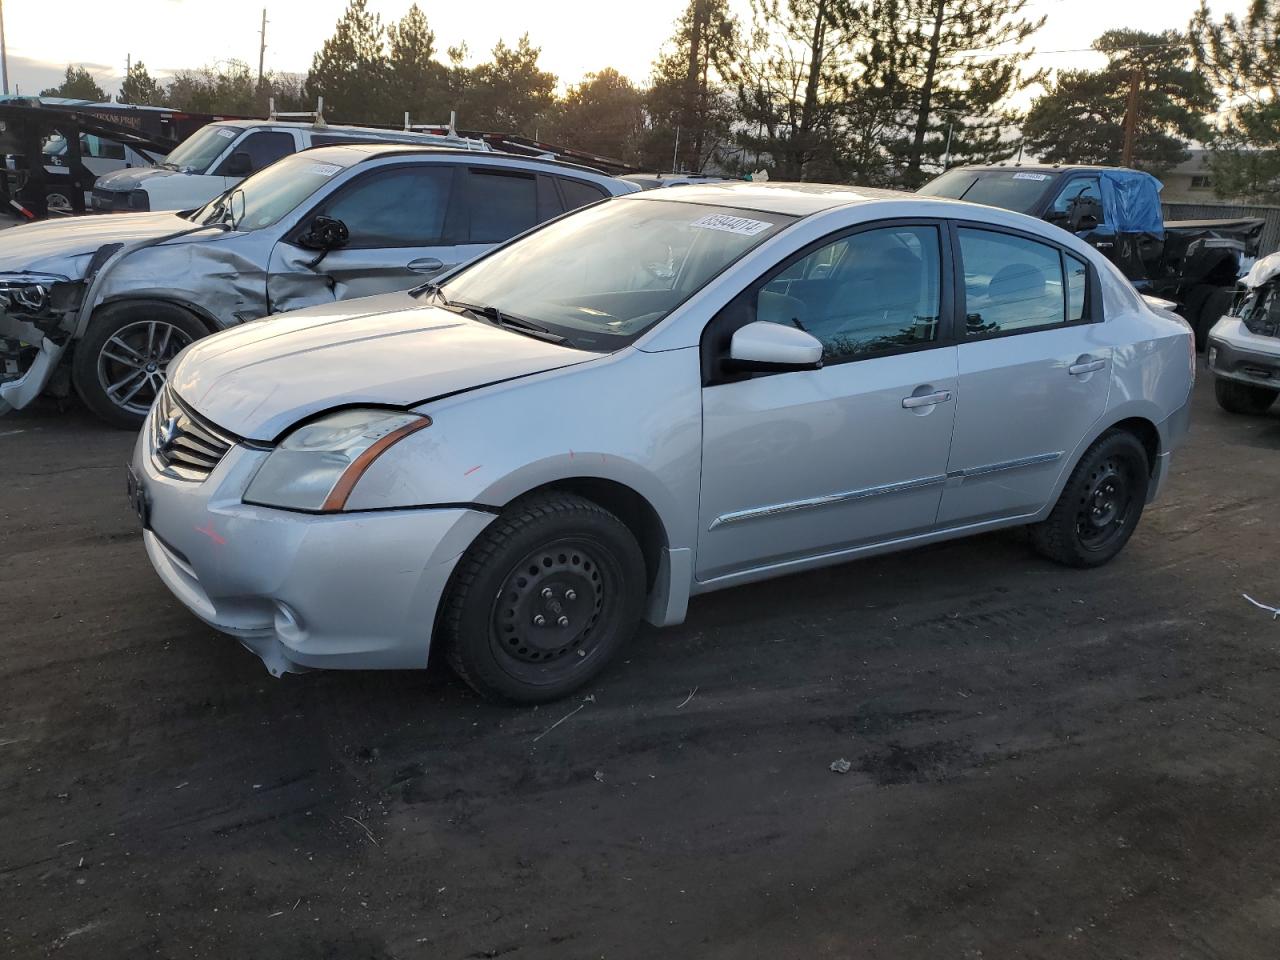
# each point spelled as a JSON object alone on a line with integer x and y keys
{"x": 1034, "y": 374}
{"x": 806, "y": 463}
{"x": 400, "y": 235}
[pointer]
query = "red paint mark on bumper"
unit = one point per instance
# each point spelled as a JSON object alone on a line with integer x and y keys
{"x": 212, "y": 534}
{"x": 473, "y": 470}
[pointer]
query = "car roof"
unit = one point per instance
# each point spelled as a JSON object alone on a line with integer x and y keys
{"x": 793, "y": 199}
{"x": 1040, "y": 167}
{"x": 362, "y": 151}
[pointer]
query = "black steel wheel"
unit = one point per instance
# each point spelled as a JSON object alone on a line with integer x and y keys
{"x": 1100, "y": 505}
{"x": 122, "y": 363}
{"x": 543, "y": 599}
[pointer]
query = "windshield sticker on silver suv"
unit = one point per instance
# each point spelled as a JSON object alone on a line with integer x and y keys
{"x": 324, "y": 169}
{"x": 225, "y": 132}
{"x": 1031, "y": 176}
{"x": 720, "y": 221}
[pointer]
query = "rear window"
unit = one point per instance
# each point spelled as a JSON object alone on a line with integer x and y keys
{"x": 1017, "y": 190}
{"x": 502, "y": 205}
{"x": 579, "y": 194}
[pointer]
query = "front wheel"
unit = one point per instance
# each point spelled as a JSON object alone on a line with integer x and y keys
{"x": 1100, "y": 506}
{"x": 121, "y": 364}
{"x": 543, "y": 599}
{"x": 1235, "y": 397}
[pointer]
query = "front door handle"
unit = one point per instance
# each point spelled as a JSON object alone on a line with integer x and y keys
{"x": 928, "y": 400}
{"x": 1085, "y": 366}
{"x": 426, "y": 265}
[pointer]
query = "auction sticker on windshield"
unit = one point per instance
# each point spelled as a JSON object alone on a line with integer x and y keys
{"x": 324, "y": 169}
{"x": 226, "y": 132}
{"x": 742, "y": 225}
{"x": 1031, "y": 176}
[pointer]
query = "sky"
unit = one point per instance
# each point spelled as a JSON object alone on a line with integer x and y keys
{"x": 576, "y": 36}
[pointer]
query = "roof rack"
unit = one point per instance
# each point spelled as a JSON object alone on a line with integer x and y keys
{"x": 316, "y": 116}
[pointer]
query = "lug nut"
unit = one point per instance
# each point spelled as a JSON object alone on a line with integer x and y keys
{"x": 563, "y": 621}
{"x": 570, "y": 595}
{"x": 546, "y": 593}
{"x": 539, "y": 621}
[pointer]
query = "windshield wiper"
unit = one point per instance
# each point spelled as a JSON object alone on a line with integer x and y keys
{"x": 506, "y": 320}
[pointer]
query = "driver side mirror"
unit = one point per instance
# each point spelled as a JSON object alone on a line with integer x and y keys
{"x": 324, "y": 233}
{"x": 238, "y": 165}
{"x": 766, "y": 346}
{"x": 1086, "y": 214}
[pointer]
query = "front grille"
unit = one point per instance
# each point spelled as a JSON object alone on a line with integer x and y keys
{"x": 184, "y": 443}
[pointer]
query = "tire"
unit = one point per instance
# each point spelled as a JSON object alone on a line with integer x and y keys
{"x": 1100, "y": 506}
{"x": 1215, "y": 305}
{"x": 58, "y": 202}
{"x": 115, "y": 354}
{"x": 543, "y": 599}
{"x": 1243, "y": 398}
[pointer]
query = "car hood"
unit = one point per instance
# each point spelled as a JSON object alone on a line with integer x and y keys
{"x": 259, "y": 379}
{"x": 132, "y": 177}
{"x": 64, "y": 246}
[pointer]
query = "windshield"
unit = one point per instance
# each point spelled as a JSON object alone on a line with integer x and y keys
{"x": 1016, "y": 190}
{"x": 601, "y": 277}
{"x": 262, "y": 199}
{"x": 194, "y": 154}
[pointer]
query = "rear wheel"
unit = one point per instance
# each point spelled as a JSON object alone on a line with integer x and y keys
{"x": 543, "y": 599}
{"x": 121, "y": 364}
{"x": 1243, "y": 398}
{"x": 1100, "y": 506}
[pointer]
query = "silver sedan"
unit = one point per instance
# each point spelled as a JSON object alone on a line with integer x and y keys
{"x": 661, "y": 395}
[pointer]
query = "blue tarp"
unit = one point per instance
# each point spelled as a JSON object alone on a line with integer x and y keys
{"x": 1131, "y": 202}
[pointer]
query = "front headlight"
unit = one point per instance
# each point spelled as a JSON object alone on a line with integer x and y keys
{"x": 316, "y": 466}
{"x": 27, "y": 293}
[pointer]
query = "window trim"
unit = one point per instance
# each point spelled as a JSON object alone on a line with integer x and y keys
{"x": 948, "y": 317}
{"x": 1093, "y": 290}
{"x": 320, "y": 207}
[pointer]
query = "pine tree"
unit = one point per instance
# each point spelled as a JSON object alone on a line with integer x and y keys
{"x": 1080, "y": 117}
{"x": 418, "y": 83}
{"x": 350, "y": 71}
{"x": 510, "y": 93}
{"x": 1241, "y": 58}
{"x": 77, "y": 84}
{"x": 604, "y": 114}
{"x": 690, "y": 109}
{"x": 139, "y": 88}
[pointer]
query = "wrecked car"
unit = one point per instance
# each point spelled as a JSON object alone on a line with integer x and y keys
{"x": 661, "y": 395}
{"x": 122, "y": 295}
{"x": 1244, "y": 346}
{"x": 1193, "y": 263}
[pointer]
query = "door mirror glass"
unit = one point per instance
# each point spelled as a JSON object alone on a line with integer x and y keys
{"x": 762, "y": 345}
{"x": 324, "y": 233}
{"x": 238, "y": 165}
{"x": 1086, "y": 214}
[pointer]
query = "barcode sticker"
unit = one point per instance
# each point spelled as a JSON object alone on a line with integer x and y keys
{"x": 227, "y": 132}
{"x": 1031, "y": 176}
{"x": 324, "y": 169}
{"x": 740, "y": 225}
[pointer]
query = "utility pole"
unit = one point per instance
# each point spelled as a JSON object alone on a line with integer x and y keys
{"x": 4, "y": 56}
{"x": 262, "y": 45}
{"x": 1131, "y": 117}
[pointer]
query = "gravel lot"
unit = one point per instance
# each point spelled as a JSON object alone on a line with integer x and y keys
{"x": 1045, "y": 763}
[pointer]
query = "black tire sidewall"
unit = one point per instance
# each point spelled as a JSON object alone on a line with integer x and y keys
{"x": 104, "y": 325}
{"x": 1242, "y": 398}
{"x": 468, "y": 633}
{"x": 1120, "y": 444}
{"x": 1211, "y": 310}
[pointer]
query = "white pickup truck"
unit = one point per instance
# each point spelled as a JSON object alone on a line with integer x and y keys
{"x": 218, "y": 156}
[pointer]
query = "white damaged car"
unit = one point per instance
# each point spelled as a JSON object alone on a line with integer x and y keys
{"x": 657, "y": 396}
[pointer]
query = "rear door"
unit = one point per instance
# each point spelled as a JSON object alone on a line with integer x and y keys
{"x": 404, "y": 226}
{"x": 1034, "y": 372}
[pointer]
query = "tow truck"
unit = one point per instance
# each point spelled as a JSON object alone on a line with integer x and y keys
{"x": 1195, "y": 264}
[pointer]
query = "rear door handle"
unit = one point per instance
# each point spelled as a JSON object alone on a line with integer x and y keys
{"x": 928, "y": 400}
{"x": 1085, "y": 366}
{"x": 426, "y": 265}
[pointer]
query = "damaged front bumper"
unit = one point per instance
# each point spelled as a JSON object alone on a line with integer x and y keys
{"x": 38, "y": 317}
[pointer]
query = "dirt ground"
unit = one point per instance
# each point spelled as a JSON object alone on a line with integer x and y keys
{"x": 1045, "y": 763}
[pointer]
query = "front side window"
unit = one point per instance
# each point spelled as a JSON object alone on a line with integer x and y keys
{"x": 1011, "y": 283}
{"x": 604, "y": 275}
{"x": 264, "y": 148}
{"x": 404, "y": 207}
{"x": 1078, "y": 190}
{"x": 862, "y": 295}
{"x": 502, "y": 205}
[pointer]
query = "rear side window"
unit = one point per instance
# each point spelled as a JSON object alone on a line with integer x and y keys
{"x": 1011, "y": 283}
{"x": 502, "y": 205}
{"x": 579, "y": 194}
{"x": 1077, "y": 287}
{"x": 264, "y": 148}
{"x": 403, "y": 207}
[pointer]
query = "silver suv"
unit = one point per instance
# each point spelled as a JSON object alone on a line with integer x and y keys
{"x": 127, "y": 292}
{"x": 662, "y": 395}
